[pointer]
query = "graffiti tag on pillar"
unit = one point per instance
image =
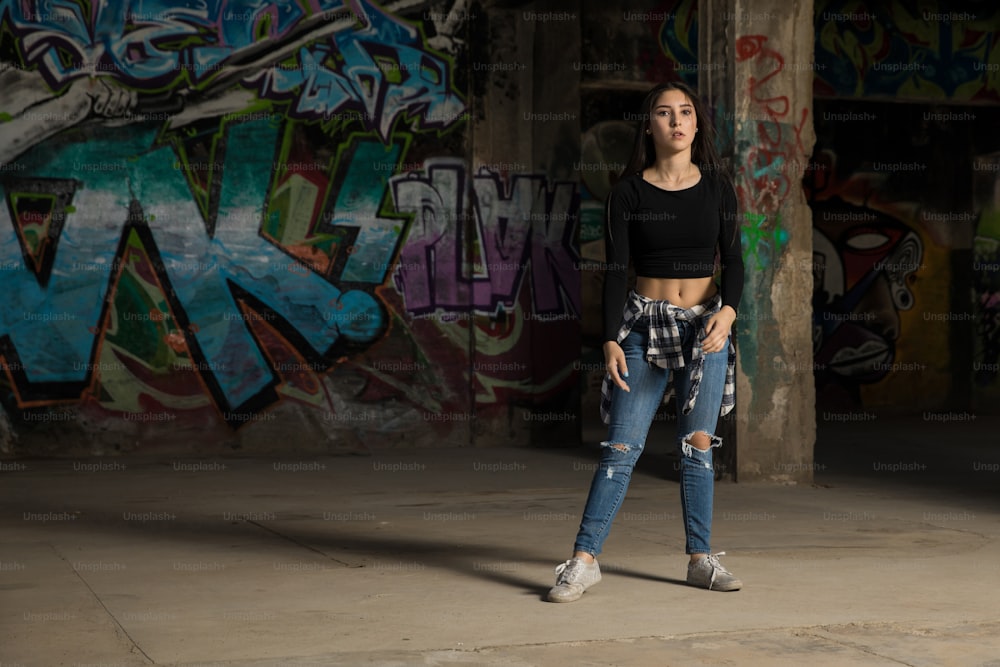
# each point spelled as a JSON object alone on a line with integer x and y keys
{"x": 776, "y": 154}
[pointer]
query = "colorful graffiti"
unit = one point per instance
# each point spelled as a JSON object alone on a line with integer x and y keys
{"x": 208, "y": 210}
{"x": 863, "y": 263}
{"x": 519, "y": 225}
{"x": 946, "y": 58}
{"x": 773, "y": 150}
{"x": 673, "y": 25}
{"x": 209, "y": 278}
{"x": 902, "y": 303}
{"x": 868, "y": 256}
{"x": 937, "y": 51}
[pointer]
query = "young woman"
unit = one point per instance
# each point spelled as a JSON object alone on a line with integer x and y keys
{"x": 673, "y": 213}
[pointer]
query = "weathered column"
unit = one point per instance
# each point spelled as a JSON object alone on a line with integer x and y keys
{"x": 501, "y": 53}
{"x": 774, "y": 136}
{"x": 768, "y": 45}
{"x": 525, "y": 144}
{"x": 556, "y": 327}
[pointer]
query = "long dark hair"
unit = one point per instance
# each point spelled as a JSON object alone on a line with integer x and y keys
{"x": 703, "y": 150}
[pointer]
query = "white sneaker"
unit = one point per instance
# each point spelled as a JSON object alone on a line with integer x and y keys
{"x": 709, "y": 573}
{"x": 572, "y": 578}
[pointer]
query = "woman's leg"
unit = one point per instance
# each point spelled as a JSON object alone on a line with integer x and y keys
{"x": 631, "y": 414}
{"x": 695, "y": 440}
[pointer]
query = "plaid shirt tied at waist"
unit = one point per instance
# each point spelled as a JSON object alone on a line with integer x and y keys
{"x": 664, "y": 347}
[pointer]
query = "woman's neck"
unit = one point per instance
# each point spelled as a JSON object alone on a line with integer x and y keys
{"x": 672, "y": 170}
{"x": 672, "y": 165}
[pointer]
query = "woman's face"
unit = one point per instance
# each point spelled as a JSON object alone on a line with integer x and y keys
{"x": 673, "y": 122}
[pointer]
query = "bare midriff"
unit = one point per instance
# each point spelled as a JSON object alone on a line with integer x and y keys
{"x": 682, "y": 292}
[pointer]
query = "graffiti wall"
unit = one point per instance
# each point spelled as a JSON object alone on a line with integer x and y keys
{"x": 938, "y": 50}
{"x": 238, "y": 218}
{"x": 902, "y": 305}
{"x": 897, "y": 273}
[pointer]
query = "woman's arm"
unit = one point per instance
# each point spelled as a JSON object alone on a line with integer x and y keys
{"x": 616, "y": 255}
{"x": 730, "y": 247}
{"x": 731, "y": 256}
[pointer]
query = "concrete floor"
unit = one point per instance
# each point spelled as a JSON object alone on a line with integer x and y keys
{"x": 441, "y": 557}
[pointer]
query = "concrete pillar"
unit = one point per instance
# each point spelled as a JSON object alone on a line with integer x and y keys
{"x": 765, "y": 48}
{"x": 526, "y": 103}
{"x": 500, "y": 78}
{"x": 773, "y": 133}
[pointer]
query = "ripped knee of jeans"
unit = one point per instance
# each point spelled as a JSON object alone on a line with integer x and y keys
{"x": 695, "y": 438}
{"x": 623, "y": 456}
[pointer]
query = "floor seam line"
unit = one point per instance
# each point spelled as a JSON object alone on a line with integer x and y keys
{"x": 856, "y": 647}
{"x": 104, "y": 606}
{"x": 802, "y": 629}
{"x": 301, "y": 544}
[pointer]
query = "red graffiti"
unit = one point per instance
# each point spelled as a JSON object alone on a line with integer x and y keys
{"x": 774, "y": 159}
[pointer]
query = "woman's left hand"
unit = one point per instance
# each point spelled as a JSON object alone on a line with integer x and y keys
{"x": 717, "y": 330}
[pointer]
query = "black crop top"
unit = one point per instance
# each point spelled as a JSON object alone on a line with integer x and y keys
{"x": 670, "y": 234}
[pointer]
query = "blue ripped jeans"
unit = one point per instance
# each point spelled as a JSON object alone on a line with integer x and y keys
{"x": 632, "y": 414}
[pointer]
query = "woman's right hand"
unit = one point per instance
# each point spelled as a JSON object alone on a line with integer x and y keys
{"x": 614, "y": 361}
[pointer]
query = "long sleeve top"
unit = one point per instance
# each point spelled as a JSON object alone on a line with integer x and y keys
{"x": 670, "y": 234}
